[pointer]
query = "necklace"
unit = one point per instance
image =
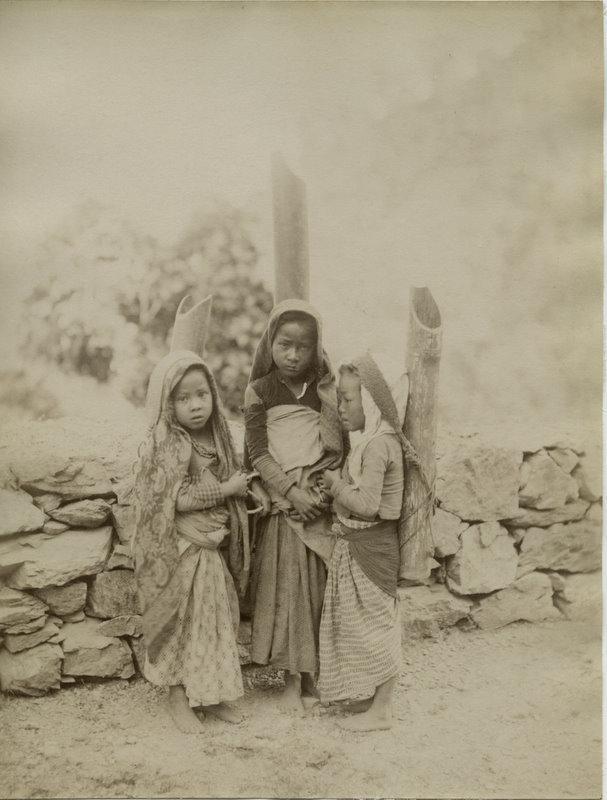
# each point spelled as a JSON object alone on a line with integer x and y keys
{"x": 203, "y": 450}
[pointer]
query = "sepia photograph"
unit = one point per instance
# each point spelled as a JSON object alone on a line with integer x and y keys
{"x": 301, "y": 380}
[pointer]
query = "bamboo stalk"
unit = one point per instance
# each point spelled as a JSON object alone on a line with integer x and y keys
{"x": 191, "y": 325}
{"x": 424, "y": 345}
{"x": 291, "y": 258}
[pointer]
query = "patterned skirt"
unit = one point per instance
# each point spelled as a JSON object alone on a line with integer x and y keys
{"x": 201, "y": 654}
{"x": 287, "y": 589}
{"x": 359, "y": 632}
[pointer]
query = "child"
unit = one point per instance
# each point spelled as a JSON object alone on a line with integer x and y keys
{"x": 292, "y": 433}
{"x": 188, "y": 494}
{"x": 359, "y": 633}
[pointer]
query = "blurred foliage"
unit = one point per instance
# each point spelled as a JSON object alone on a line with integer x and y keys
{"x": 106, "y": 297}
{"x": 28, "y": 395}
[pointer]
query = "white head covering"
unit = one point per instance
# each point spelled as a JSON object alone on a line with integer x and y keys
{"x": 397, "y": 381}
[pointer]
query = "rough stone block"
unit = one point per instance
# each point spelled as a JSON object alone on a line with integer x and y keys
{"x": 574, "y": 547}
{"x": 18, "y": 611}
{"x": 63, "y": 558}
{"x": 112, "y": 594}
{"x": 31, "y": 672}
{"x": 18, "y": 514}
{"x": 544, "y": 484}
{"x": 64, "y": 600}
{"x": 479, "y": 483}
{"x": 486, "y": 561}
{"x": 425, "y": 609}
{"x": 529, "y": 598}
{"x": 82, "y": 514}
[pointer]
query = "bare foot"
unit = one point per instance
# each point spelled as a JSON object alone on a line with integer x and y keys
{"x": 225, "y": 713}
{"x": 183, "y": 716}
{"x": 367, "y": 721}
{"x": 291, "y": 700}
{"x": 309, "y": 702}
{"x": 308, "y": 687}
{"x": 358, "y": 706}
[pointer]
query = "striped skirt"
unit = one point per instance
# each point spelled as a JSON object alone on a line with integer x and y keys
{"x": 359, "y": 632}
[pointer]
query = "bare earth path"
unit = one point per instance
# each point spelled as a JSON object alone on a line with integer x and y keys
{"x": 508, "y": 713}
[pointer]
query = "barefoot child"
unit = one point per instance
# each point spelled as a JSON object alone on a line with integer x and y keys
{"x": 292, "y": 433}
{"x": 359, "y": 634}
{"x": 188, "y": 498}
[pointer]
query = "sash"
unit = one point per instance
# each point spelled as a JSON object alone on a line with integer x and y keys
{"x": 205, "y": 528}
{"x": 294, "y": 441}
{"x": 375, "y": 549}
{"x": 294, "y": 436}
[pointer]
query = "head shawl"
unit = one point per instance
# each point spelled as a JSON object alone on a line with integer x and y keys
{"x": 384, "y": 391}
{"x": 263, "y": 363}
{"x": 164, "y": 458}
{"x": 384, "y": 410}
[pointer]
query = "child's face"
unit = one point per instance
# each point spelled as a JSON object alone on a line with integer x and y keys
{"x": 192, "y": 400}
{"x": 293, "y": 349}
{"x": 350, "y": 402}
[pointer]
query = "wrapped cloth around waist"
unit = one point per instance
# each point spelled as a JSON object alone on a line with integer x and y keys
{"x": 207, "y": 529}
{"x": 375, "y": 549}
{"x": 294, "y": 436}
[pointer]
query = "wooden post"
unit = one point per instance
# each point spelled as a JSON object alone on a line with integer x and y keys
{"x": 291, "y": 259}
{"x": 192, "y": 325}
{"x": 423, "y": 359}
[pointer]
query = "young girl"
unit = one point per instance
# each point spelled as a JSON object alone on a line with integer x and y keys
{"x": 188, "y": 494}
{"x": 292, "y": 433}
{"x": 359, "y": 633}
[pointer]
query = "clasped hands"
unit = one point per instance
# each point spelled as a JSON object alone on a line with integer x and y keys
{"x": 308, "y": 504}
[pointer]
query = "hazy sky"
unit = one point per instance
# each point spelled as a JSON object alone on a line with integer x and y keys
{"x": 451, "y": 145}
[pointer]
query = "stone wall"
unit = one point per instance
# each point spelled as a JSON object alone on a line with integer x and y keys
{"x": 516, "y": 533}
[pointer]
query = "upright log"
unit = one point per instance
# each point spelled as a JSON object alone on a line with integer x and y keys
{"x": 192, "y": 325}
{"x": 291, "y": 258}
{"x": 423, "y": 359}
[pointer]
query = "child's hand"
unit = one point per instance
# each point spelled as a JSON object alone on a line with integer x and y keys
{"x": 262, "y": 497}
{"x": 329, "y": 477}
{"x": 236, "y": 486}
{"x": 304, "y": 505}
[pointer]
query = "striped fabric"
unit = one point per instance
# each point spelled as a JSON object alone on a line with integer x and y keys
{"x": 359, "y": 632}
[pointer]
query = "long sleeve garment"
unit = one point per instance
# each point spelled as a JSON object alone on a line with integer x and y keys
{"x": 260, "y": 396}
{"x": 201, "y": 489}
{"x": 380, "y": 492}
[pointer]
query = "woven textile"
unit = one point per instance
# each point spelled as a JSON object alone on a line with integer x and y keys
{"x": 200, "y": 652}
{"x": 287, "y": 583}
{"x": 359, "y": 632}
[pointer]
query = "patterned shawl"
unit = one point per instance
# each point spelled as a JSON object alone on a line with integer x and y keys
{"x": 164, "y": 458}
{"x": 263, "y": 363}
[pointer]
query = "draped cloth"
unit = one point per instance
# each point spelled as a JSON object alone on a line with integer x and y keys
{"x": 263, "y": 363}
{"x": 384, "y": 390}
{"x": 359, "y": 637}
{"x": 164, "y": 459}
{"x": 359, "y": 632}
{"x": 375, "y": 550}
{"x": 288, "y": 571}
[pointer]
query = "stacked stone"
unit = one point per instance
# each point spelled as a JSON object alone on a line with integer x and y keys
{"x": 68, "y": 604}
{"x": 516, "y": 534}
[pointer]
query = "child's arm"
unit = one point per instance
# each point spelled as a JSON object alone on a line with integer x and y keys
{"x": 205, "y": 491}
{"x": 256, "y": 438}
{"x": 273, "y": 476}
{"x": 364, "y": 500}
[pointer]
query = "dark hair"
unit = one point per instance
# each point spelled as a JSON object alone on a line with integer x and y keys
{"x": 187, "y": 372}
{"x": 297, "y": 316}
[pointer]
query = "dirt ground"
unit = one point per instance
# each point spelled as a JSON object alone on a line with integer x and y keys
{"x": 503, "y": 714}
